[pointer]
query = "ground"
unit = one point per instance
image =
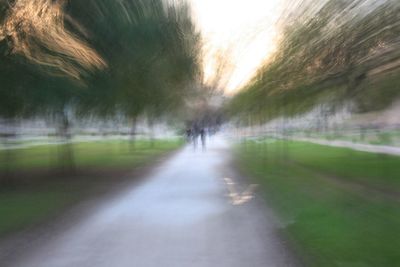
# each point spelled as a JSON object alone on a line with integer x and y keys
{"x": 180, "y": 214}
{"x": 341, "y": 206}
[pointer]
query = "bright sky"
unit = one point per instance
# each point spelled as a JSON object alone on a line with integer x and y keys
{"x": 238, "y": 36}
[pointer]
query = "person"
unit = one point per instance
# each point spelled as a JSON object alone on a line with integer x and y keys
{"x": 195, "y": 136}
{"x": 188, "y": 135}
{"x": 203, "y": 138}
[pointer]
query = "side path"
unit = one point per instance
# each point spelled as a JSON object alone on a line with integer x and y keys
{"x": 381, "y": 149}
{"x": 390, "y": 150}
{"x": 180, "y": 215}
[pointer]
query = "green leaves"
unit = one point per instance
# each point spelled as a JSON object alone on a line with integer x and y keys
{"x": 147, "y": 51}
{"x": 342, "y": 51}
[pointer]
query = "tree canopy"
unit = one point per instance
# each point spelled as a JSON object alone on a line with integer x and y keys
{"x": 334, "y": 52}
{"x": 99, "y": 57}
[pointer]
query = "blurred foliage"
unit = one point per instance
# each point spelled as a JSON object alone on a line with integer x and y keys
{"x": 330, "y": 51}
{"x": 148, "y": 52}
{"x": 96, "y": 59}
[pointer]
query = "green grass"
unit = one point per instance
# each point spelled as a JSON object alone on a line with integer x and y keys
{"x": 86, "y": 154}
{"x": 25, "y": 205}
{"x": 332, "y": 222}
{"x": 371, "y": 169}
{"x": 22, "y": 208}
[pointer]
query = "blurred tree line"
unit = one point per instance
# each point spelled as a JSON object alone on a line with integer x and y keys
{"x": 331, "y": 52}
{"x": 96, "y": 58}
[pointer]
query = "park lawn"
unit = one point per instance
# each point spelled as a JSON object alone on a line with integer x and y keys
{"x": 331, "y": 221}
{"x": 371, "y": 169}
{"x": 117, "y": 153}
{"x": 22, "y": 206}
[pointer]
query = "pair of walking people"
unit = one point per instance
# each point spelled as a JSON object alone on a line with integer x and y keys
{"x": 193, "y": 134}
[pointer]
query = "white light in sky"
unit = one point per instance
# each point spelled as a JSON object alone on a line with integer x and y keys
{"x": 240, "y": 33}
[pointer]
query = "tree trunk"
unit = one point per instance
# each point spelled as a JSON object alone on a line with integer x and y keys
{"x": 133, "y": 135}
{"x": 152, "y": 139}
{"x": 7, "y": 178}
{"x": 7, "y": 174}
{"x": 66, "y": 153}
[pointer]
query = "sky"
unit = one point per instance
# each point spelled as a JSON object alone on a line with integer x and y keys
{"x": 238, "y": 36}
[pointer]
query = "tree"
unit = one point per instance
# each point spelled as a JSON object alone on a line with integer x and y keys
{"x": 95, "y": 57}
{"x": 327, "y": 55}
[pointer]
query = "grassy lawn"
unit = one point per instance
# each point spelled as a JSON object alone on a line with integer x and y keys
{"x": 333, "y": 200}
{"x": 23, "y": 208}
{"x": 25, "y": 205}
{"x": 118, "y": 153}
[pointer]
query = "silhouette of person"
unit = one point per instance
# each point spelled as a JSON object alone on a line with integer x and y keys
{"x": 188, "y": 135}
{"x": 203, "y": 138}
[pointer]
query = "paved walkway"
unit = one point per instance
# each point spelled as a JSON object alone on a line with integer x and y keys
{"x": 183, "y": 214}
{"x": 390, "y": 150}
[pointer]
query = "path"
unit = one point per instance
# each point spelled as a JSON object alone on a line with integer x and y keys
{"x": 181, "y": 215}
{"x": 382, "y": 149}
